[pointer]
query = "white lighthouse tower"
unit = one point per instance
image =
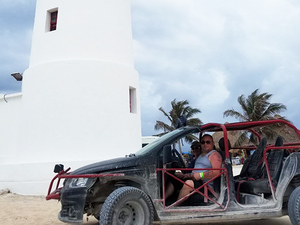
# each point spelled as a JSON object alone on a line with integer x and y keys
{"x": 80, "y": 94}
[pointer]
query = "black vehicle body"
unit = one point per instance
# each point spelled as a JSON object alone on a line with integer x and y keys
{"x": 87, "y": 189}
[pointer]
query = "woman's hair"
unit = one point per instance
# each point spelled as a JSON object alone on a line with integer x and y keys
{"x": 207, "y": 135}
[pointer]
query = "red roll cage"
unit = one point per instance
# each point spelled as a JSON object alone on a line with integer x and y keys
{"x": 216, "y": 127}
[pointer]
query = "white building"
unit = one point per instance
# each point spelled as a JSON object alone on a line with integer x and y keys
{"x": 80, "y": 95}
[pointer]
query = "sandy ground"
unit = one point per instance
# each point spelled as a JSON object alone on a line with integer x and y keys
{"x": 28, "y": 210}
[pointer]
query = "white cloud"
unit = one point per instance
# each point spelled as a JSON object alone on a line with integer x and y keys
{"x": 211, "y": 52}
{"x": 214, "y": 89}
{"x": 149, "y": 95}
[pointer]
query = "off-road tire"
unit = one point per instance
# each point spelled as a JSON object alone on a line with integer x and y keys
{"x": 127, "y": 205}
{"x": 294, "y": 207}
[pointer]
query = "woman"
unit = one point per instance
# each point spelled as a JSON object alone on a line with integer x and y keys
{"x": 209, "y": 158}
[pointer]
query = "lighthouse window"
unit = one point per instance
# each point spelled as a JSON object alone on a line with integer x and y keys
{"x": 53, "y": 20}
{"x": 132, "y": 100}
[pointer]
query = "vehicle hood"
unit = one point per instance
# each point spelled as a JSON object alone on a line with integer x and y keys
{"x": 107, "y": 165}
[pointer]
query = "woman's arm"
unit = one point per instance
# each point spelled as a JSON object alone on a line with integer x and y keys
{"x": 216, "y": 162}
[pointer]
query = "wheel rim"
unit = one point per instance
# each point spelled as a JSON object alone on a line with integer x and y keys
{"x": 130, "y": 213}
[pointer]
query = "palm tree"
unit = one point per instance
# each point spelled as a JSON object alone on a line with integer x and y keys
{"x": 179, "y": 109}
{"x": 254, "y": 108}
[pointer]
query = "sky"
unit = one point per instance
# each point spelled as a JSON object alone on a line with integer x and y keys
{"x": 208, "y": 52}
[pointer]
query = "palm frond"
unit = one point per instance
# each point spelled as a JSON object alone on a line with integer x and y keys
{"x": 256, "y": 107}
{"x": 163, "y": 126}
{"x": 178, "y": 109}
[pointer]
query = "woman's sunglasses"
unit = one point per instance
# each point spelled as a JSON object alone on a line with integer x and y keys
{"x": 207, "y": 142}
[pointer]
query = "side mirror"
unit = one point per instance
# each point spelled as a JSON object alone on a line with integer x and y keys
{"x": 58, "y": 168}
{"x": 167, "y": 154}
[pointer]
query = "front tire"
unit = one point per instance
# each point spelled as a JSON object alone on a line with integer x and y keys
{"x": 294, "y": 207}
{"x": 127, "y": 205}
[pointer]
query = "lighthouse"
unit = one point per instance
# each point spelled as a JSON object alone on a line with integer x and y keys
{"x": 80, "y": 94}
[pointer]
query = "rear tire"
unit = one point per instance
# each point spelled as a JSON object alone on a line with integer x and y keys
{"x": 294, "y": 207}
{"x": 127, "y": 205}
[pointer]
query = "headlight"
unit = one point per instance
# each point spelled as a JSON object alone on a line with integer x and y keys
{"x": 78, "y": 182}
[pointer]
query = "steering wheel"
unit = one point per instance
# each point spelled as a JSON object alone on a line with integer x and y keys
{"x": 178, "y": 158}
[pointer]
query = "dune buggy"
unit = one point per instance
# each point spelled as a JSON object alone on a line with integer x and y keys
{"x": 131, "y": 190}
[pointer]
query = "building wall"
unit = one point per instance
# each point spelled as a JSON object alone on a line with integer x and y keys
{"x": 85, "y": 118}
{"x": 93, "y": 30}
{"x": 10, "y": 118}
{"x": 75, "y": 107}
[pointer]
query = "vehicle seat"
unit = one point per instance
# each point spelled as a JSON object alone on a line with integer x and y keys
{"x": 275, "y": 161}
{"x": 222, "y": 149}
{"x": 253, "y": 165}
